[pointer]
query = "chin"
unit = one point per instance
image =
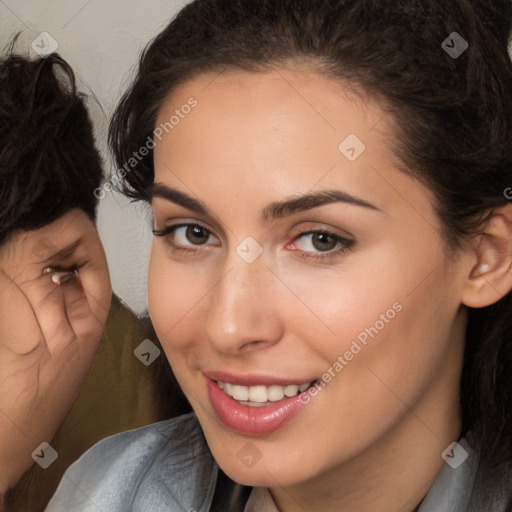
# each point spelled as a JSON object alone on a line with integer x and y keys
{"x": 244, "y": 462}
{"x": 261, "y": 475}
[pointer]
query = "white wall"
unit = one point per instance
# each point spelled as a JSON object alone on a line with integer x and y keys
{"x": 101, "y": 39}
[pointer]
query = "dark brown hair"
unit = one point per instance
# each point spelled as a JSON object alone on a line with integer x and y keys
{"x": 48, "y": 161}
{"x": 453, "y": 119}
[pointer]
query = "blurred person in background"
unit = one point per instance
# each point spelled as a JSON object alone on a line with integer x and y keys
{"x": 68, "y": 374}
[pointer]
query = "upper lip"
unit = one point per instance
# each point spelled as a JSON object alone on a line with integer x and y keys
{"x": 252, "y": 379}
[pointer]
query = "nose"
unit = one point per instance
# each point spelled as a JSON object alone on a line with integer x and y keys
{"x": 244, "y": 309}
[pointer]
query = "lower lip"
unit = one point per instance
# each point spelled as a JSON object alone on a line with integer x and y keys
{"x": 253, "y": 421}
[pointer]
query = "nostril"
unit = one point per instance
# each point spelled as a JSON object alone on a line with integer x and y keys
{"x": 256, "y": 345}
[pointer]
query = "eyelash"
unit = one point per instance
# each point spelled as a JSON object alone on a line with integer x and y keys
{"x": 166, "y": 232}
{"x": 345, "y": 243}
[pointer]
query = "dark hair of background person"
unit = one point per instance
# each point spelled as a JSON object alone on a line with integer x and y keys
{"x": 452, "y": 120}
{"x": 48, "y": 161}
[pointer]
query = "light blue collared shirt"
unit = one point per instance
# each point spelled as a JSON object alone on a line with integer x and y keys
{"x": 167, "y": 467}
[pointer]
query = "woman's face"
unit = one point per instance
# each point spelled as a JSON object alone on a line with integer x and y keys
{"x": 308, "y": 257}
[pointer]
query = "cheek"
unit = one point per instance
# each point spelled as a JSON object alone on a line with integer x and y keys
{"x": 171, "y": 301}
{"x": 377, "y": 318}
{"x": 357, "y": 300}
{"x": 175, "y": 295}
{"x": 405, "y": 329}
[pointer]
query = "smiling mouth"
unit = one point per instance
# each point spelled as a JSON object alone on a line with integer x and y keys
{"x": 261, "y": 396}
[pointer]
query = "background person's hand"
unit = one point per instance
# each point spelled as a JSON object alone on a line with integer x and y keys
{"x": 49, "y": 332}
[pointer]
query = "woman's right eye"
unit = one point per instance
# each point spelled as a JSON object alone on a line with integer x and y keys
{"x": 186, "y": 236}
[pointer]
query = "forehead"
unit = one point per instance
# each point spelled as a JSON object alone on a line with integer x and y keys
{"x": 281, "y": 98}
{"x": 278, "y": 133}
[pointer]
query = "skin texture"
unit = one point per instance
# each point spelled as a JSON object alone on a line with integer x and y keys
{"x": 382, "y": 423}
{"x": 50, "y": 332}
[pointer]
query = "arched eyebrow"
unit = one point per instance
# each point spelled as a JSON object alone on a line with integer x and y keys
{"x": 272, "y": 211}
{"x": 311, "y": 200}
{"x": 177, "y": 197}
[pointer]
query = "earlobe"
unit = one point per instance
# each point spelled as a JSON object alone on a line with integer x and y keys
{"x": 491, "y": 278}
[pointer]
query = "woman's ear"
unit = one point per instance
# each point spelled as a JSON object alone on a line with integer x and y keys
{"x": 491, "y": 277}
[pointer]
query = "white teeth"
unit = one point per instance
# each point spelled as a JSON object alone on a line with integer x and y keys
{"x": 261, "y": 395}
{"x": 291, "y": 390}
{"x": 258, "y": 394}
{"x": 239, "y": 392}
{"x": 275, "y": 393}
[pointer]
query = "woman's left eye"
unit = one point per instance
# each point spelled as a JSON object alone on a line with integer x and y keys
{"x": 321, "y": 242}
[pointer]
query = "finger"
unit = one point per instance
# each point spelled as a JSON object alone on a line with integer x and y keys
{"x": 47, "y": 301}
{"x": 87, "y": 327}
{"x": 96, "y": 285}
